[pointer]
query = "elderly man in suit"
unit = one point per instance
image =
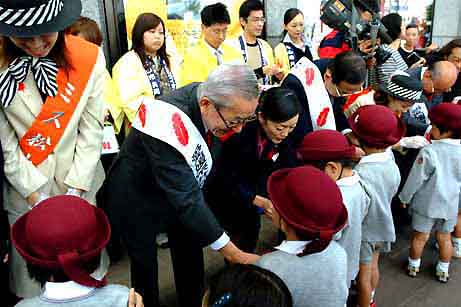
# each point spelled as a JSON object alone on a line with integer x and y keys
{"x": 155, "y": 183}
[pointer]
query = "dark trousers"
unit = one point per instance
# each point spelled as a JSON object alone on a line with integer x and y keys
{"x": 188, "y": 267}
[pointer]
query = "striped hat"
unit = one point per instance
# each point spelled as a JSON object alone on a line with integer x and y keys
{"x": 404, "y": 87}
{"x": 26, "y": 18}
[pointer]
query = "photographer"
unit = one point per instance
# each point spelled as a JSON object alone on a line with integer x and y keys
{"x": 336, "y": 41}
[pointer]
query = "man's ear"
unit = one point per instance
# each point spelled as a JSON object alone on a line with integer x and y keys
{"x": 242, "y": 21}
{"x": 327, "y": 75}
{"x": 204, "y": 102}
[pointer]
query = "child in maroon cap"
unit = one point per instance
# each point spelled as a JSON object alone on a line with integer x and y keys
{"x": 432, "y": 190}
{"x": 309, "y": 209}
{"x": 330, "y": 151}
{"x": 375, "y": 129}
{"x": 61, "y": 239}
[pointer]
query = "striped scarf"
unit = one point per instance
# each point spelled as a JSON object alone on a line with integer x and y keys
{"x": 45, "y": 73}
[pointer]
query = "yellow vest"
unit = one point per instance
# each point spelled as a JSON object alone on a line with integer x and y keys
{"x": 200, "y": 61}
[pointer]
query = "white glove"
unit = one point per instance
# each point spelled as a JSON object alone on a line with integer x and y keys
{"x": 414, "y": 142}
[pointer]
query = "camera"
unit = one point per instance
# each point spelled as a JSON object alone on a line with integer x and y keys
{"x": 344, "y": 16}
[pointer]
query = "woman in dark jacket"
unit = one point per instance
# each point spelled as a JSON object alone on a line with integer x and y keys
{"x": 237, "y": 191}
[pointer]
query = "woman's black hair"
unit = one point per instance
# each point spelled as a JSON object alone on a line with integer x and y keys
{"x": 43, "y": 275}
{"x": 290, "y": 14}
{"x": 242, "y": 285}
{"x": 279, "y": 104}
{"x": 146, "y": 22}
{"x": 58, "y": 53}
{"x": 393, "y": 23}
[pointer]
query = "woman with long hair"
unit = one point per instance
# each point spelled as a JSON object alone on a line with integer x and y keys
{"x": 147, "y": 69}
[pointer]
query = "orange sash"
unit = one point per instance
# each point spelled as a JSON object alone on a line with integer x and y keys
{"x": 56, "y": 113}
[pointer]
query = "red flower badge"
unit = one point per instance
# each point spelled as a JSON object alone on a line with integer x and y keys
{"x": 21, "y": 86}
{"x": 310, "y": 76}
{"x": 322, "y": 119}
{"x": 142, "y": 112}
{"x": 180, "y": 130}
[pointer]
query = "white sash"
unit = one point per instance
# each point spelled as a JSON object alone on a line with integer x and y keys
{"x": 169, "y": 124}
{"x": 321, "y": 110}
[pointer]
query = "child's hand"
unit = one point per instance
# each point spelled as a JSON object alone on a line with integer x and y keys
{"x": 404, "y": 206}
{"x": 134, "y": 299}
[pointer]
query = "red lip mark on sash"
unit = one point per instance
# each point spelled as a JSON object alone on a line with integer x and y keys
{"x": 322, "y": 119}
{"x": 310, "y": 75}
{"x": 180, "y": 130}
{"x": 142, "y": 114}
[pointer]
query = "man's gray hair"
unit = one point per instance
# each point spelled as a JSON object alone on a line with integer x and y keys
{"x": 227, "y": 82}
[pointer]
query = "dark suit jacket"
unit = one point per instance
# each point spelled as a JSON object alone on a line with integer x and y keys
{"x": 152, "y": 187}
{"x": 241, "y": 173}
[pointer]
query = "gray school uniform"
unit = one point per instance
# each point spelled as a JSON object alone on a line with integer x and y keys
{"x": 315, "y": 280}
{"x": 380, "y": 177}
{"x": 433, "y": 185}
{"x": 357, "y": 203}
{"x": 110, "y": 296}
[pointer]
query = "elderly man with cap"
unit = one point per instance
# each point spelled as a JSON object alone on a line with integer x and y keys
{"x": 51, "y": 114}
{"x": 62, "y": 240}
{"x": 437, "y": 79}
{"x": 155, "y": 183}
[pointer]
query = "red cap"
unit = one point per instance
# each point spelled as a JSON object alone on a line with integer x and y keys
{"x": 326, "y": 145}
{"x": 377, "y": 125}
{"x": 63, "y": 232}
{"x": 447, "y": 115}
{"x": 309, "y": 201}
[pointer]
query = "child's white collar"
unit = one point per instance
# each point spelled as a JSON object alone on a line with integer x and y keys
{"x": 377, "y": 157}
{"x": 348, "y": 181}
{"x": 65, "y": 290}
{"x": 448, "y": 141}
{"x": 292, "y": 247}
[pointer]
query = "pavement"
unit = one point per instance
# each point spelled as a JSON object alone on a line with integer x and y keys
{"x": 396, "y": 289}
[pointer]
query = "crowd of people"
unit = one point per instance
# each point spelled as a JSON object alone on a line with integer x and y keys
{"x": 336, "y": 152}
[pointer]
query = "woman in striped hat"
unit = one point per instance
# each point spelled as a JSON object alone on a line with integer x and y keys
{"x": 51, "y": 112}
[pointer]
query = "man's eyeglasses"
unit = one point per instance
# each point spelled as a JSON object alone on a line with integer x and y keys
{"x": 230, "y": 124}
{"x": 256, "y": 19}
{"x": 341, "y": 93}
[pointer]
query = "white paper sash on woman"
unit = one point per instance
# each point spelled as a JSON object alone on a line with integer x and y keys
{"x": 321, "y": 110}
{"x": 169, "y": 124}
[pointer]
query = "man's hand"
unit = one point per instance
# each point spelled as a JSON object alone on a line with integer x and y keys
{"x": 420, "y": 63}
{"x": 270, "y": 70}
{"x": 233, "y": 254}
{"x": 266, "y": 204}
{"x": 134, "y": 299}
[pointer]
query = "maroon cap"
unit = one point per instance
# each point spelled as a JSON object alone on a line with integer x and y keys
{"x": 309, "y": 201}
{"x": 326, "y": 145}
{"x": 447, "y": 115}
{"x": 377, "y": 125}
{"x": 63, "y": 232}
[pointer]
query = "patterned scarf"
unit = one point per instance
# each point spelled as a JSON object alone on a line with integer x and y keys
{"x": 45, "y": 73}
